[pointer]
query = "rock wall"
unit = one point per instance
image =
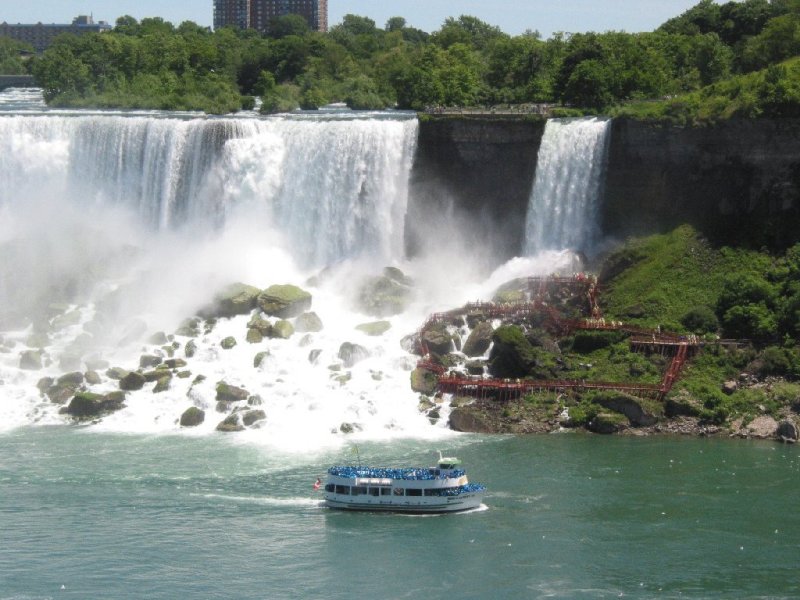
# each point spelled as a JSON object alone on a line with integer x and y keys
{"x": 473, "y": 175}
{"x": 738, "y": 182}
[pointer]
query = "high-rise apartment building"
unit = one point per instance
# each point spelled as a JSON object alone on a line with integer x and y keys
{"x": 258, "y": 14}
{"x": 232, "y": 12}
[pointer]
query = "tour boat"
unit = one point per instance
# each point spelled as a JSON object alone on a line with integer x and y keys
{"x": 439, "y": 489}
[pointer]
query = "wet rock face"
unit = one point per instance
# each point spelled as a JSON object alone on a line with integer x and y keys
{"x": 284, "y": 301}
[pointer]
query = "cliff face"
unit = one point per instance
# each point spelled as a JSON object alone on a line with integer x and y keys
{"x": 737, "y": 182}
{"x": 472, "y": 176}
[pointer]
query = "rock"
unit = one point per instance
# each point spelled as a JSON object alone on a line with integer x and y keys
{"x": 475, "y": 367}
{"x": 162, "y": 385}
{"x": 175, "y": 363}
{"x": 253, "y": 416}
{"x": 282, "y": 330}
{"x": 437, "y": 339}
{"x": 228, "y": 342}
{"x": 189, "y": 328}
{"x": 314, "y": 355}
{"x": 762, "y": 427}
{"x": 512, "y": 355}
{"x": 93, "y": 378}
{"x": 30, "y": 360}
{"x": 729, "y": 387}
{"x": 155, "y": 375}
{"x": 74, "y": 379}
{"x": 308, "y": 322}
{"x": 158, "y": 339}
{"x": 640, "y": 413}
{"x": 116, "y": 373}
{"x": 386, "y": 295}
{"x": 231, "y": 424}
{"x": 607, "y": 423}
{"x": 44, "y": 384}
{"x": 230, "y": 393}
{"x": 284, "y": 301}
{"x": 192, "y": 417}
{"x": 190, "y": 349}
{"x": 132, "y": 381}
{"x": 86, "y": 405}
{"x": 348, "y": 428}
{"x": 149, "y": 360}
{"x": 682, "y": 404}
{"x": 375, "y": 328}
{"x": 423, "y": 381}
{"x": 260, "y": 324}
{"x": 479, "y": 340}
{"x": 254, "y": 336}
{"x": 259, "y": 359}
{"x": 787, "y": 431}
{"x": 235, "y": 299}
{"x": 350, "y": 354}
{"x": 467, "y": 421}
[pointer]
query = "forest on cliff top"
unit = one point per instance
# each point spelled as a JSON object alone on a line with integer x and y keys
{"x": 714, "y": 60}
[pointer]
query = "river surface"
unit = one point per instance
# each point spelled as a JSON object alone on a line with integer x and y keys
{"x": 96, "y": 515}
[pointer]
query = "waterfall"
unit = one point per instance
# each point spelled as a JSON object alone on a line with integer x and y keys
{"x": 562, "y": 212}
{"x": 334, "y": 188}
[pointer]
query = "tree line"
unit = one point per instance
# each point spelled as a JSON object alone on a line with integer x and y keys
{"x": 465, "y": 63}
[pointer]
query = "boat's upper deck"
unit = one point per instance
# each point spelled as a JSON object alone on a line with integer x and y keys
{"x": 407, "y": 474}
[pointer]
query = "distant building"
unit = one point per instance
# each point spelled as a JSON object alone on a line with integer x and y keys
{"x": 40, "y": 36}
{"x": 258, "y": 14}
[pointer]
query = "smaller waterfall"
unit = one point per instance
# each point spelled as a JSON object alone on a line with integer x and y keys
{"x": 562, "y": 213}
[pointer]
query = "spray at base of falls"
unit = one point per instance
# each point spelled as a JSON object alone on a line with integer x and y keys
{"x": 116, "y": 227}
{"x": 568, "y": 186}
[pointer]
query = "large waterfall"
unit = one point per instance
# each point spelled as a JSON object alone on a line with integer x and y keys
{"x": 569, "y": 177}
{"x": 116, "y": 227}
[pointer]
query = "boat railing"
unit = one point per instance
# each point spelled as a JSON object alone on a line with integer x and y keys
{"x": 410, "y": 474}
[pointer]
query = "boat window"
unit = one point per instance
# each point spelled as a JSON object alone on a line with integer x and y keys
{"x": 359, "y": 490}
{"x": 398, "y": 491}
{"x": 330, "y": 487}
{"x": 386, "y": 491}
{"x": 343, "y": 489}
{"x": 413, "y": 492}
{"x": 373, "y": 491}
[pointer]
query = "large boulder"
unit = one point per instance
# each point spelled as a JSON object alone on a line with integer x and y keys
{"x": 437, "y": 339}
{"x": 308, "y": 322}
{"x": 235, "y": 299}
{"x": 374, "y": 328}
{"x": 132, "y": 381}
{"x": 230, "y": 424}
{"x": 641, "y": 413}
{"x": 512, "y": 354}
{"x": 350, "y": 354}
{"x": 251, "y": 417}
{"x": 479, "y": 340}
{"x": 607, "y": 422}
{"x": 86, "y": 405}
{"x": 468, "y": 420}
{"x": 423, "y": 381}
{"x": 787, "y": 431}
{"x": 282, "y": 330}
{"x": 386, "y": 295}
{"x": 192, "y": 417}
{"x": 284, "y": 301}
{"x": 230, "y": 393}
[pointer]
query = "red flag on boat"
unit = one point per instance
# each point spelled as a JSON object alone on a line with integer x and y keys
{"x": 317, "y": 483}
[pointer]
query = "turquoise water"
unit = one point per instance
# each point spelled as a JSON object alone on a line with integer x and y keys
{"x": 113, "y": 516}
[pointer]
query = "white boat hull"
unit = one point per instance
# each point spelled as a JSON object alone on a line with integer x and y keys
{"x": 466, "y": 501}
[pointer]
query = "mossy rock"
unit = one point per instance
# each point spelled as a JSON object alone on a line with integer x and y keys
{"x": 437, "y": 339}
{"x": 93, "y": 378}
{"x": 162, "y": 385}
{"x": 640, "y": 412}
{"x": 251, "y": 417}
{"x": 423, "y": 381}
{"x": 86, "y": 405}
{"x": 75, "y": 379}
{"x": 235, "y": 299}
{"x": 479, "y": 340}
{"x": 228, "y": 342}
{"x": 175, "y": 363}
{"x": 149, "y": 360}
{"x": 189, "y": 328}
{"x": 231, "y": 424}
{"x": 375, "y": 328}
{"x": 350, "y": 354}
{"x": 608, "y": 422}
{"x": 284, "y": 301}
{"x": 132, "y": 381}
{"x": 190, "y": 349}
{"x": 308, "y": 322}
{"x": 30, "y": 360}
{"x": 282, "y": 330}
{"x": 116, "y": 373}
{"x": 512, "y": 354}
{"x": 254, "y": 336}
{"x": 260, "y": 324}
{"x": 259, "y": 359}
{"x": 192, "y": 417}
{"x": 386, "y": 295}
{"x": 230, "y": 393}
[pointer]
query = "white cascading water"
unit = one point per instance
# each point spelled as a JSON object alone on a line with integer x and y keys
{"x": 130, "y": 224}
{"x": 562, "y": 212}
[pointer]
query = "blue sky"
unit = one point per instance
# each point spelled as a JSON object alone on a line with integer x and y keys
{"x": 512, "y": 16}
